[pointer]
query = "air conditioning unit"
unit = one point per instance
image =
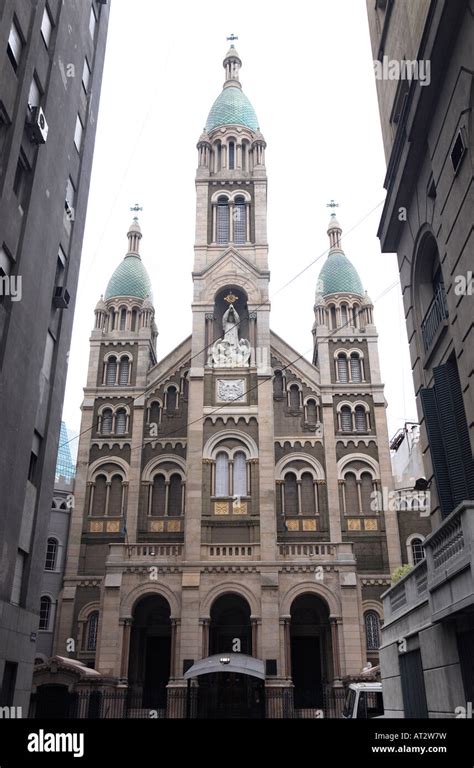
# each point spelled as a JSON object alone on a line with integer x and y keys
{"x": 38, "y": 127}
{"x": 61, "y": 297}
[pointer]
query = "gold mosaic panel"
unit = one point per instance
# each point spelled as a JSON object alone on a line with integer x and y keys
{"x": 370, "y": 525}
{"x": 221, "y": 508}
{"x": 97, "y": 526}
{"x": 293, "y": 525}
{"x": 354, "y": 525}
{"x": 309, "y": 525}
{"x": 113, "y": 526}
{"x": 157, "y": 526}
{"x": 174, "y": 526}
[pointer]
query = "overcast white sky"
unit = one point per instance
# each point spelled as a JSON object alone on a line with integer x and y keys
{"x": 307, "y": 69}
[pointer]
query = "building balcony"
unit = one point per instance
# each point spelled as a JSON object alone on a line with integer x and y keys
{"x": 317, "y": 551}
{"x": 445, "y": 579}
{"x": 171, "y": 554}
{"x": 144, "y": 554}
{"x": 450, "y": 560}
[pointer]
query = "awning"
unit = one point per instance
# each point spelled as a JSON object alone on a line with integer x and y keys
{"x": 228, "y": 662}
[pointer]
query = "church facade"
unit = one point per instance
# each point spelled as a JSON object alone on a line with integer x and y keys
{"x": 227, "y": 502}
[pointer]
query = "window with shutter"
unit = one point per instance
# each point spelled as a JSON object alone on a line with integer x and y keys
{"x": 106, "y": 422}
{"x": 111, "y": 375}
{"x": 346, "y": 419}
{"x": 240, "y": 221}
{"x": 360, "y": 419}
{"x": 223, "y": 220}
{"x": 92, "y": 626}
{"x": 356, "y": 367}
{"x": 121, "y": 422}
{"x": 124, "y": 371}
{"x": 342, "y": 369}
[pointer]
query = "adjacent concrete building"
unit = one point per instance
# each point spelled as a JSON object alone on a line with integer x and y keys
{"x": 226, "y": 516}
{"x": 51, "y": 61}
{"x": 56, "y": 544}
{"x": 428, "y": 133}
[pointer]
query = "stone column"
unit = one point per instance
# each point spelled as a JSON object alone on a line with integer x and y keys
{"x": 126, "y": 624}
{"x": 335, "y": 646}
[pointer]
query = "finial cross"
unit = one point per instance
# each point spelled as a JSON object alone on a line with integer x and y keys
{"x": 332, "y": 204}
{"x": 232, "y": 37}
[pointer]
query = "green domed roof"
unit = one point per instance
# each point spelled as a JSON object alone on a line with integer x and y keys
{"x": 232, "y": 107}
{"x": 339, "y": 275}
{"x": 129, "y": 279}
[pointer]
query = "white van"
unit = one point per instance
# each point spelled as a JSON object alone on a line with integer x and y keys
{"x": 363, "y": 700}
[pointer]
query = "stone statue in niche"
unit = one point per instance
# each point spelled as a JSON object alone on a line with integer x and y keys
{"x": 229, "y": 351}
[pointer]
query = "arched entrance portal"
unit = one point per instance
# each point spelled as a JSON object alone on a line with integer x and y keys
{"x": 150, "y": 651}
{"x": 230, "y": 628}
{"x": 311, "y": 650}
{"x": 230, "y": 694}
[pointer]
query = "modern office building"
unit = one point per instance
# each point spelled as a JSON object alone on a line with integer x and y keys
{"x": 428, "y": 134}
{"x": 51, "y": 62}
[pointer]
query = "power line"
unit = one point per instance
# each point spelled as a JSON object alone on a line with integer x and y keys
{"x": 265, "y": 303}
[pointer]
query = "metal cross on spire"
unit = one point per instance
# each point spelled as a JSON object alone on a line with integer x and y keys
{"x": 233, "y": 37}
{"x": 136, "y": 208}
{"x": 332, "y": 204}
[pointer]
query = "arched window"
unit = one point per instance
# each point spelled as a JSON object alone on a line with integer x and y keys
{"x": 121, "y": 422}
{"x": 278, "y": 384}
{"x": 231, "y": 155}
{"x": 308, "y": 505}
{"x": 92, "y": 626}
{"x": 351, "y": 495}
{"x": 155, "y": 413}
{"x": 355, "y": 312}
{"x": 223, "y": 220}
{"x": 111, "y": 375}
{"x": 100, "y": 495}
{"x": 106, "y": 427}
{"x": 124, "y": 371}
{"x": 344, "y": 315}
{"x": 372, "y": 631}
{"x": 366, "y": 490}
{"x": 294, "y": 397}
{"x": 115, "y": 497}
{"x": 240, "y": 221}
{"x": 222, "y": 474}
{"x": 356, "y": 367}
{"x": 45, "y": 612}
{"x": 360, "y": 419}
{"x": 311, "y": 412}
{"x": 342, "y": 368}
{"x": 134, "y": 319}
{"x": 158, "y": 498}
{"x": 185, "y": 386}
{"x": 244, "y": 155}
{"x": 51, "y": 555}
{"x": 123, "y": 319}
{"x": 291, "y": 494}
{"x": 171, "y": 399}
{"x": 417, "y": 551}
{"x": 240, "y": 474}
{"x": 346, "y": 419}
{"x": 174, "y": 495}
{"x": 332, "y": 313}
